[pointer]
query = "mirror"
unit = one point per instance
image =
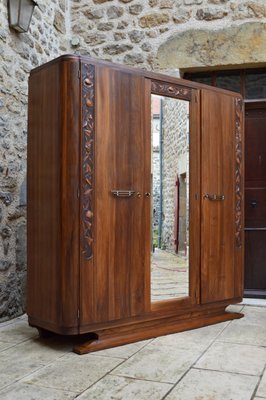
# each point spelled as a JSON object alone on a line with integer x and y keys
{"x": 170, "y": 198}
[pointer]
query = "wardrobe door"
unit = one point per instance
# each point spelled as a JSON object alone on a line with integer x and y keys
{"x": 222, "y": 201}
{"x": 115, "y": 236}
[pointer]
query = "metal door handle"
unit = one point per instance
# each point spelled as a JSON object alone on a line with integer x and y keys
{"x": 123, "y": 193}
{"x": 214, "y": 197}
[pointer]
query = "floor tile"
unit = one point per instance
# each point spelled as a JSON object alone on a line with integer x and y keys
{"x": 22, "y": 391}
{"x": 75, "y": 373}
{"x": 247, "y": 333}
{"x": 238, "y": 358}
{"x": 235, "y": 308}
{"x": 123, "y": 352}
{"x": 254, "y": 315}
{"x": 198, "y": 339}
{"x": 17, "y": 332}
{"x": 262, "y": 386}
{"x": 5, "y": 345}
{"x": 158, "y": 363}
{"x": 212, "y": 385}
{"x": 25, "y": 358}
{"x": 120, "y": 388}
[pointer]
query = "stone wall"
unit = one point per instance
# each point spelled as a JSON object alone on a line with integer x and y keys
{"x": 19, "y": 53}
{"x": 154, "y": 34}
{"x": 171, "y": 34}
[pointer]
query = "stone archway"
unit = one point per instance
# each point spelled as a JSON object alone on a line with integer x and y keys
{"x": 235, "y": 45}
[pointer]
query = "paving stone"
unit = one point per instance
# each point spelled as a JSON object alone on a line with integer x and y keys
{"x": 240, "y": 332}
{"x": 261, "y": 392}
{"x": 5, "y": 345}
{"x": 212, "y": 385}
{"x": 254, "y": 315}
{"x": 158, "y": 363}
{"x": 118, "y": 388}
{"x": 235, "y": 308}
{"x": 22, "y": 359}
{"x": 123, "y": 352}
{"x": 238, "y": 358}
{"x": 73, "y": 373}
{"x": 198, "y": 339}
{"x": 22, "y": 391}
{"x": 17, "y": 332}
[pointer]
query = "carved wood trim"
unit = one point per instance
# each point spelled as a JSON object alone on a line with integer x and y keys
{"x": 238, "y": 172}
{"x": 171, "y": 90}
{"x": 87, "y": 160}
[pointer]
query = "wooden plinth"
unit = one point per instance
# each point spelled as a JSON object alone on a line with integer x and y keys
{"x": 134, "y": 332}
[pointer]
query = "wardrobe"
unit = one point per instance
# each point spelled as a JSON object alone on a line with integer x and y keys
{"x": 135, "y": 202}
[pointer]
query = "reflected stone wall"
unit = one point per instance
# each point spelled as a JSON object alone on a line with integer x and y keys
{"x": 175, "y": 162}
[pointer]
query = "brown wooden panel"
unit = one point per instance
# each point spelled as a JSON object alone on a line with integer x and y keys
{"x": 43, "y": 214}
{"x": 218, "y": 177}
{"x": 70, "y": 126}
{"x": 255, "y": 120}
{"x": 115, "y": 279}
{"x": 255, "y": 256}
{"x": 53, "y": 206}
{"x": 255, "y": 208}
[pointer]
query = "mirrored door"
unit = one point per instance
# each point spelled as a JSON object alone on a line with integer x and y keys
{"x": 170, "y": 160}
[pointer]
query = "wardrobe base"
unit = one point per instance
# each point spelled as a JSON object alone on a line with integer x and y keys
{"x": 107, "y": 338}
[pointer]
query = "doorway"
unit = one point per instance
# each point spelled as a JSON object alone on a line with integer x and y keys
{"x": 251, "y": 83}
{"x": 255, "y": 199}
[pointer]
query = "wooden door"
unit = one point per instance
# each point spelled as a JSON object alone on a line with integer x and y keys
{"x": 115, "y": 259}
{"x": 221, "y": 233}
{"x": 255, "y": 199}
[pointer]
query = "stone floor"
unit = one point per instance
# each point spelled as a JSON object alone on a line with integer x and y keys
{"x": 220, "y": 362}
{"x": 169, "y": 275}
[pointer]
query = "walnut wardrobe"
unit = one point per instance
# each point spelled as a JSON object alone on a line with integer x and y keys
{"x": 121, "y": 246}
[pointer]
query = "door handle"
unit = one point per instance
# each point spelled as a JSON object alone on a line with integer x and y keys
{"x": 214, "y": 197}
{"x": 123, "y": 193}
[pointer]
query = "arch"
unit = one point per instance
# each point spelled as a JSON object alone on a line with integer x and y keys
{"x": 230, "y": 46}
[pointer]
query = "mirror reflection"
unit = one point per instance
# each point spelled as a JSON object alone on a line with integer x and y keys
{"x": 170, "y": 198}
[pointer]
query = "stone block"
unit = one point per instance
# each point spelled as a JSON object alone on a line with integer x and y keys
{"x": 119, "y": 36}
{"x": 95, "y": 13}
{"x": 181, "y": 16}
{"x": 105, "y": 26}
{"x": 135, "y": 9}
{"x": 4, "y": 265}
{"x": 218, "y": 1}
{"x": 113, "y": 49}
{"x": 258, "y": 9}
{"x": 191, "y": 2}
{"x": 100, "y": 1}
{"x": 167, "y": 3}
{"x": 209, "y": 14}
{"x": 6, "y": 198}
{"x": 59, "y": 21}
{"x": 21, "y": 253}
{"x": 237, "y": 45}
{"x": 122, "y": 24}
{"x": 136, "y": 36}
{"x": 114, "y": 12}
{"x": 154, "y": 19}
{"x": 95, "y": 38}
{"x": 132, "y": 59}
{"x": 146, "y": 46}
